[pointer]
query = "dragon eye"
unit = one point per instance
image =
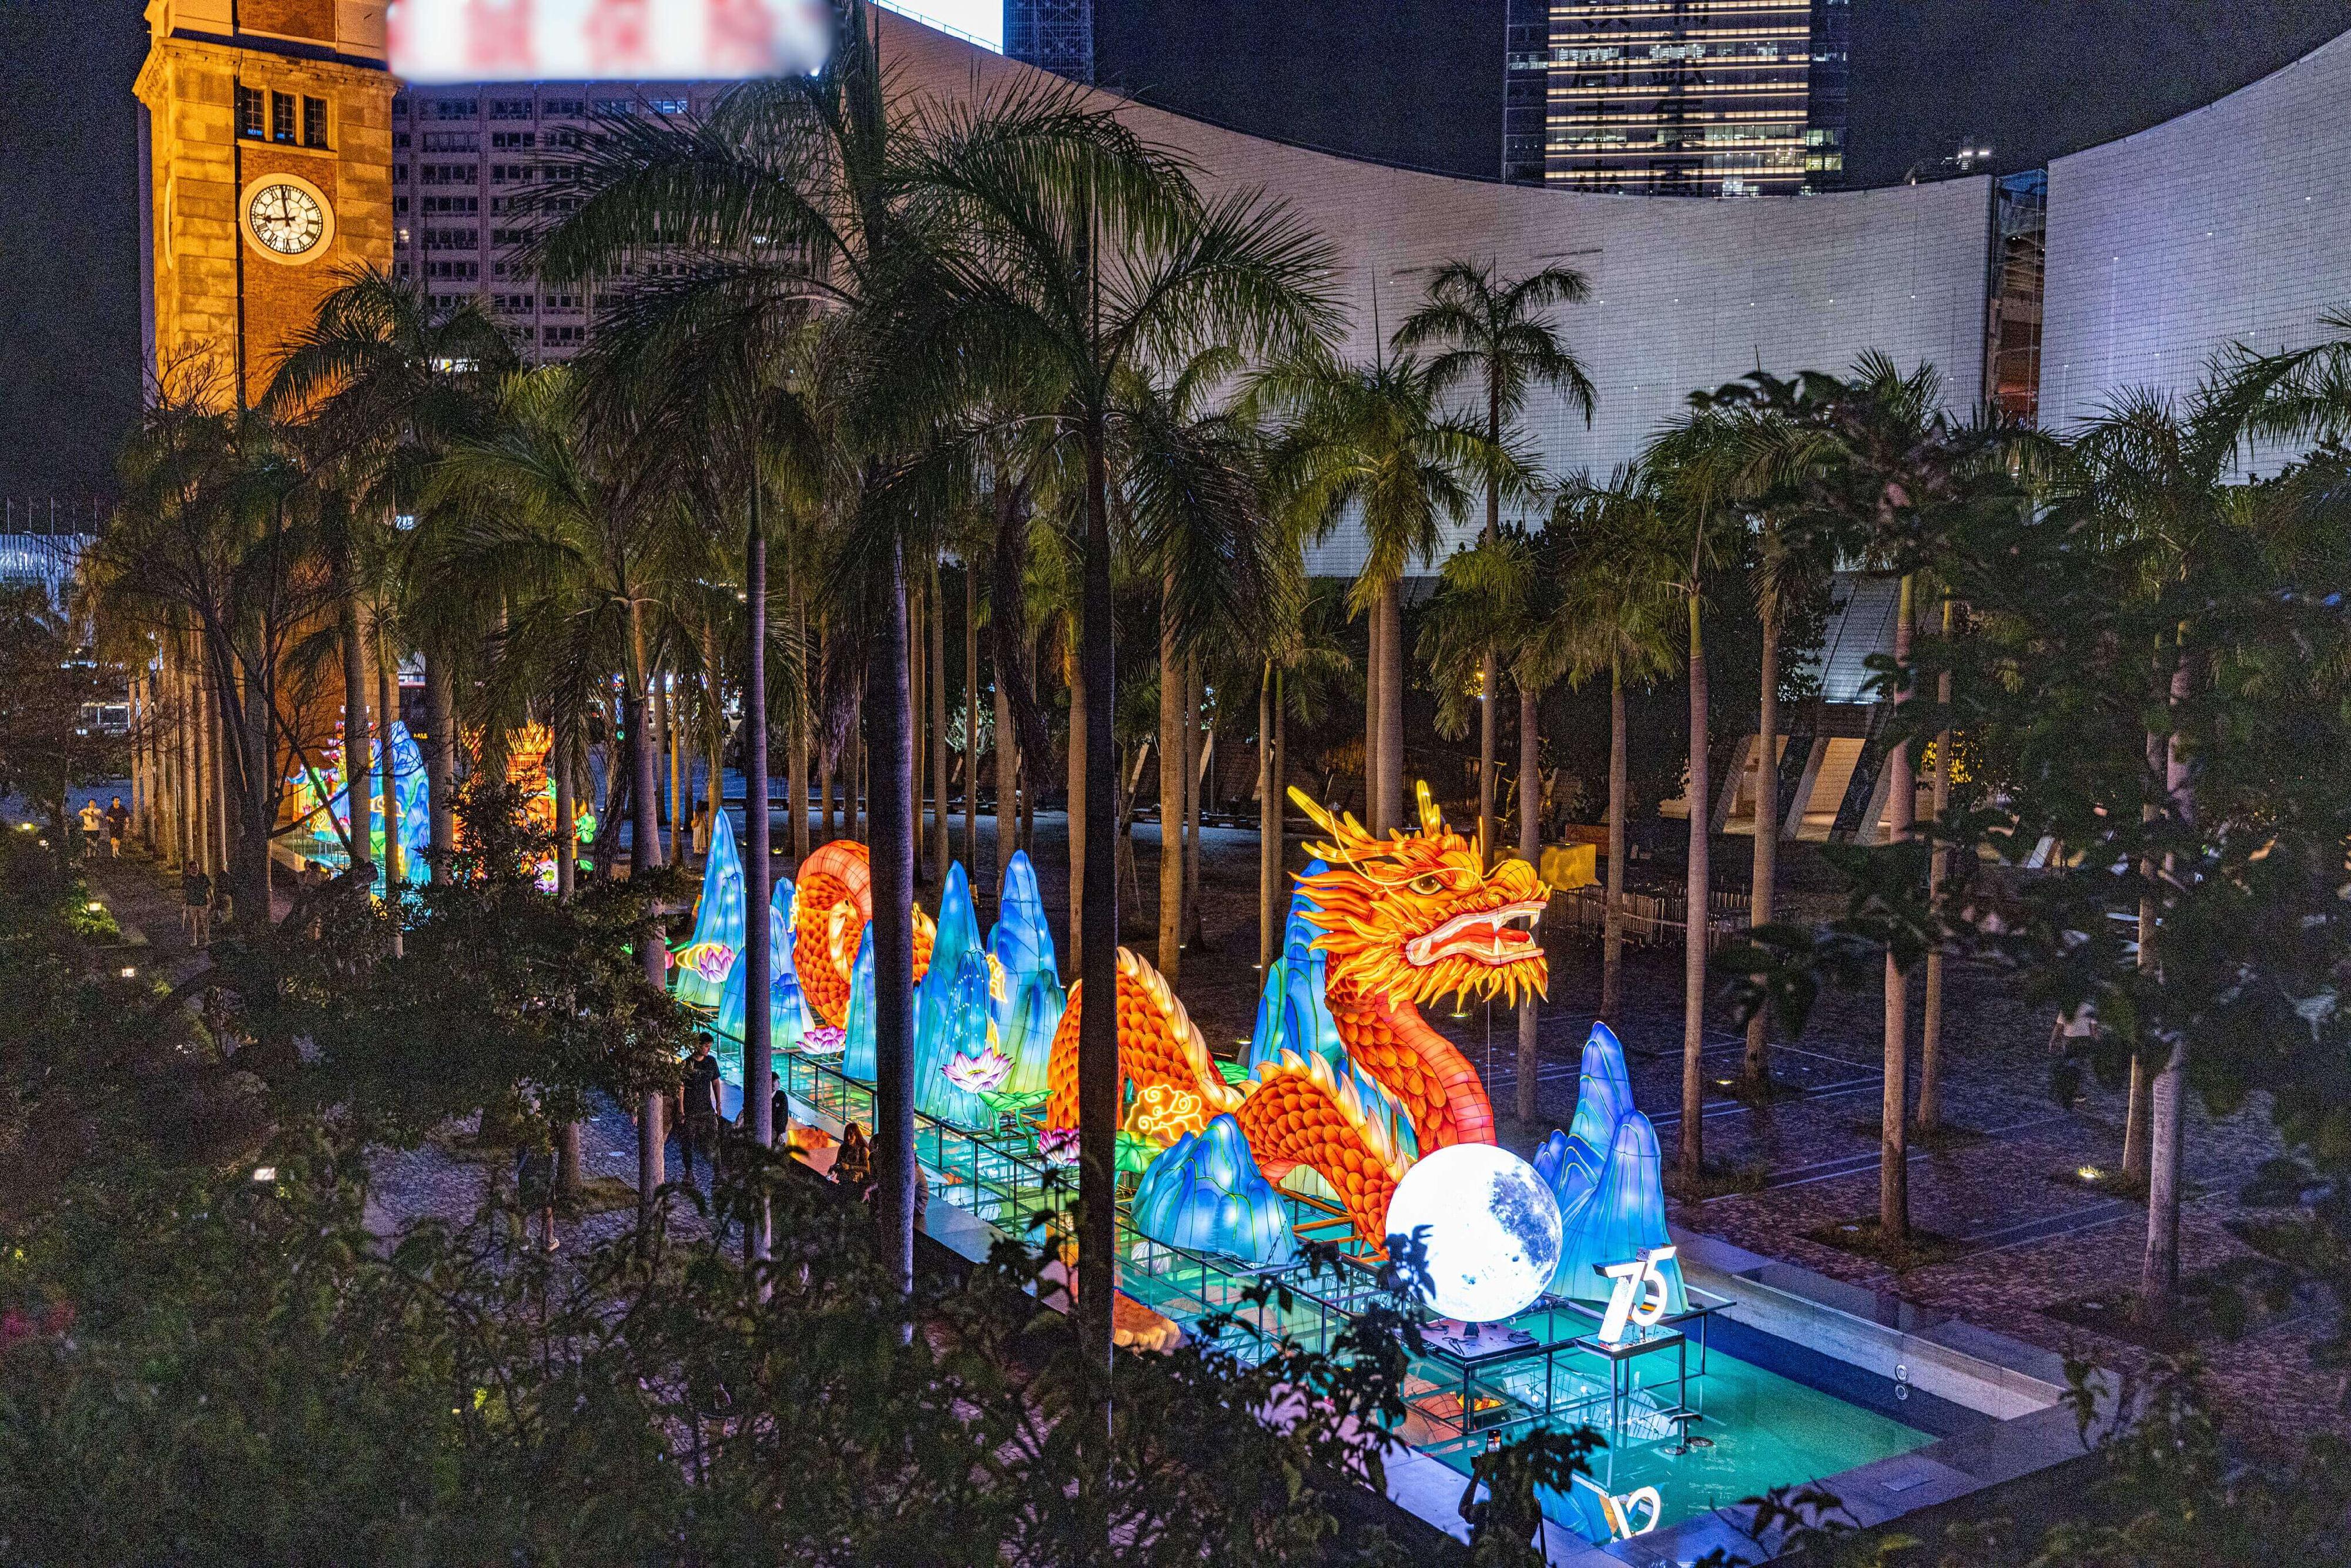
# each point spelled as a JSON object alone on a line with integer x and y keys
{"x": 1428, "y": 885}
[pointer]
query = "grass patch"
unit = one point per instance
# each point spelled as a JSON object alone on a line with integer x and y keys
{"x": 599, "y": 1195}
{"x": 2222, "y": 1305}
{"x": 1924, "y": 1249}
{"x": 1716, "y": 1181}
{"x": 1940, "y": 1139}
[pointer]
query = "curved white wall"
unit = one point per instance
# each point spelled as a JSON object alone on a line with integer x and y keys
{"x": 1686, "y": 293}
{"x": 2225, "y": 226}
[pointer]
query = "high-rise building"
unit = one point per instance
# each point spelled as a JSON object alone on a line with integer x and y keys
{"x": 464, "y": 160}
{"x": 1058, "y": 34}
{"x": 1684, "y": 98}
{"x": 265, "y": 132}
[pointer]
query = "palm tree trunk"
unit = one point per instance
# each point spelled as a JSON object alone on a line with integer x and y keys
{"x": 1490, "y": 671}
{"x": 1081, "y": 801}
{"x": 891, "y": 825}
{"x": 1893, "y": 1150}
{"x": 1195, "y": 755}
{"x": 918, "y": 711}
{"x": 1530, "y": 851}
{"x": 971, "y": 718}
{"x": 2138, "y": 1108}
{"x": 1392, "y": 761}
{"x": 1372, "y": 711}
{"x": 1097, "y": 1073}
{"x": 1170, "y": 793}
{"x": 935, "y": 686}
{"x": 1269, "y": 830}
{"x": 758, "y": 1041}
{"x": 567, "y": 808}
{"x": 1694, "y": 932}
{"x": 714, "y": 732}
{"x": 440, "y": 763}
{"x": 1007, "y": 770}
{"x": 387, "y": 685}
{"x": 1612, "y": 939}
{"x": 1929, "y": 1113}
{"x": 2158, "y": 1286}
{"x": 800, "y": 774}
{"x": 356, "y": 762}
{"x": 1758, "y": 1068}
{"x": 644, "y": 856}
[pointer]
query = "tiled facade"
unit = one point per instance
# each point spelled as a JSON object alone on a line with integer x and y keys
{"x": 464, "y": 158}
{"x": 2222, "y": 226}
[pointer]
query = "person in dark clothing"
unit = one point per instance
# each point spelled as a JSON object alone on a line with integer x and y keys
{"x": 118, "y": 827}
{"x": 697, "y": 1123}
{"x": 535, "y": 1183}
{"x": 197, "y": 907}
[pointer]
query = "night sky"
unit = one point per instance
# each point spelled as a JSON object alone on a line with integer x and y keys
{"x": 1413, "y": 82}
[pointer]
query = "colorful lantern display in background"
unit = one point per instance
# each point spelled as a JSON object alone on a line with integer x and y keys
{"x": 321, "y": 798}
{"x": 788, "y": 1013}
{"x": 1605, "y": 1174}
{"x": 1204, "y": 1192}
{"x": 704, "y": 962}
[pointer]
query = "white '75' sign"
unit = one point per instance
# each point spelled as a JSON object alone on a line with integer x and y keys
{"x": 1639, "y": 1296}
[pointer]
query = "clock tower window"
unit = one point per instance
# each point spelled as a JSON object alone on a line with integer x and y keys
{"x": 281, "y": 117}
{"x": 248, "y": 112}
{"x": 314, "y": 122}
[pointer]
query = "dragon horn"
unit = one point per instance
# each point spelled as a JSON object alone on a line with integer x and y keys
{"x": 1432, "y": 818}
{"x": 1318, "y": 813}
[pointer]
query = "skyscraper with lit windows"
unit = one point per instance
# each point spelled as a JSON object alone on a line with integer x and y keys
{"x": 1685, "y": 98}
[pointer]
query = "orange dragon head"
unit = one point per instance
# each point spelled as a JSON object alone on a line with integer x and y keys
{"x": 1415, "y": 917}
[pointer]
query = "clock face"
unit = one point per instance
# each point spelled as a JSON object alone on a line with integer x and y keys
{"x": 286, "y": 219}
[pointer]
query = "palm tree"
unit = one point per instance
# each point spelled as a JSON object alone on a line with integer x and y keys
{"x": 382, "y": 381}
{"x": 1070, "y": 270}
{"x": 568, "y": 519}
{"x": 1496, "y": 334}
{"x": 1496, "y": 595}
{"x": 1607, "y": 548}
{"x": 1370, "y": 441}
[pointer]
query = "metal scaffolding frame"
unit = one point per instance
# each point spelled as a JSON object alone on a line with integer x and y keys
{"x": 1058, "y": 34}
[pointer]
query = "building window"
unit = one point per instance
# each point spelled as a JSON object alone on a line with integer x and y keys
{"x": 667, "y": 105}
{"x": 615, "y": 106}
{"x": 513, "y": 140}
{"x": 453, "y": 269}
{"x": 509, "y": 109}
{"x": 400, "y": 140}
{"x": 281, "y": 116}
{"x": 511, "y": 236}
{"x": 456, "y": 108}
{"x": 248, "y": 112}
{"x": 314, "y": 122}
{"x": 563, "y": 108}
{"x": 399, "y": 209}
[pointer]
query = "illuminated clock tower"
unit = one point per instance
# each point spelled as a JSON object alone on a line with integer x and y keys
{"x": 268, "y": 144}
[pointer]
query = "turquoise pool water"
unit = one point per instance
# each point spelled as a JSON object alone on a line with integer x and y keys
{"x": 1766, "y": 1430}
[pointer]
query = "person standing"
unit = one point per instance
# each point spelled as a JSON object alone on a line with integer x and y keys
{"x": 535, "y": 1175}
{"x": 92, "y": 823}
{"x": 197, "y": 907}
{"x": 118, "y": 825}
{"x": 698, "y": 1118}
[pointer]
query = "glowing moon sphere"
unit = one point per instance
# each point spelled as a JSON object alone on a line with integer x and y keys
{"x": 1493, "y": 1232}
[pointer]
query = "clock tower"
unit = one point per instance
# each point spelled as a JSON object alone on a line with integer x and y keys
{"x": 267, "y": 136}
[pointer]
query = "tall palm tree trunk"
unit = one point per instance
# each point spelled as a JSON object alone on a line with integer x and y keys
{"x": 387, "y": 685}
{"x": 1269, "y": 830}
{"x": 758, "y": 1041}
{"x": 1490, "y": 669}
{"x": 800, "y": 774}
{"x": 1007, "y": 770}
{"x": 1081, "y": 801}
{"x": 1530, "y": 851}
{"x": 440, "y": 763}
{"x": 1694, "y": 932}
{"x": 644, "y": 857}
{"x": 891, "y": 824}
{"x": 1758, "y": 1068}
{"x": 1196, "y": 756}
{"x": 2139, "y": 1106}
{"x": 971, "y": 718}
{"x": 1612, "y": 937}
{"x": 918, "y": 716}
{"x": 1170, "y": 793}
{"x": 1928, "y": 1115}
{"x": 1392, "y": 683}
{"x": 1893, "y": 1150}
{"x": 935, "y": 686}
{"x": 2158, "y": 1286}
{"x": 567, "y": 808}
{"x": 1372, "y": 725}
{"x": 356, "y": 762}
{"x": 1098, "y": 1072}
